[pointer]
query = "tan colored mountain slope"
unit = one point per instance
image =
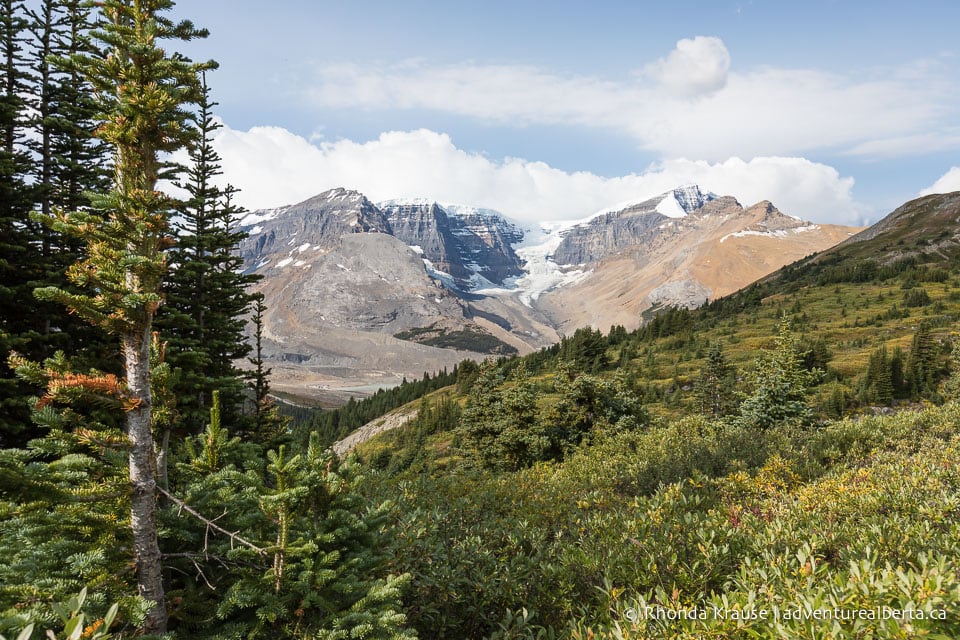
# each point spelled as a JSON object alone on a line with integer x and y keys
{"x": 710, "y": 253}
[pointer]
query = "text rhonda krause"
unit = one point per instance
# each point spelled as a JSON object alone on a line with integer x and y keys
{"x": 660, "y": 613}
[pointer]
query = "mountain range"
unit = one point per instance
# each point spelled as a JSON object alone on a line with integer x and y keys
{"x": 360, "y": 294}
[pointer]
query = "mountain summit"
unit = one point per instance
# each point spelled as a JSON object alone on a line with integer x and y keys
{"x": 638, "y": 257}
{"x": 362, "y": 294}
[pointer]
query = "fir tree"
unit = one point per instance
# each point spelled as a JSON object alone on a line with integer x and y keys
{"x": 142, "y": 93}
{"x": 206, "y": 297}
{"x": 72, "y": 162}
{"x": 922, "y": 363}
{"x": 267, "y": 421}
{"x": 715, "y": 389}
{"x": 779, "y": 384}
{"x": 291, "y": 551}
{"x": 69, "y": 163}
{"x": 482, "y": 417}
{"x": 877, "y": 386}
{"x": 65, "y": 499}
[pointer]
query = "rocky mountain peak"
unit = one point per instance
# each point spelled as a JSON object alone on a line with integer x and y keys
{"x": 689, "y": 197}
{"x": 613, "y": 230}
{"x": 473, "y": 248}
{"x": 318, "y": 222}
{"x": 720, "y": 206}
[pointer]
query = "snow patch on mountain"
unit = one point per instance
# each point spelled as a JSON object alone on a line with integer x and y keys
{"x": 254, "y": 218}
{"x": 670, "y": 207}
{"x": 778, "y": 233}
{"x": 542, "y": 274}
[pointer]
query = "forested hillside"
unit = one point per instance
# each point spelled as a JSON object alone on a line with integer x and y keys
{"x": 783, "y": 450}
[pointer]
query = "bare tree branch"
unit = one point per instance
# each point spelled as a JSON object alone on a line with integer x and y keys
{"x": 210, "y": 523}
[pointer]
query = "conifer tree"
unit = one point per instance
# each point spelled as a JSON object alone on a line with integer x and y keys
{"x": 922, "y": 364}
{"x": 206, "y": 296}
{"x": 877, "y": 385}
{"x": 294, "y": 552}
{"x": 142, "y": 94}
{"x": 51, "y": 147}
{"x": 267, "y": 420}
{"x": 19, "y": 261}
{"x": 715, "y": 387}
{"x": 69, "y": 163}
{"x": 779, "y": 384}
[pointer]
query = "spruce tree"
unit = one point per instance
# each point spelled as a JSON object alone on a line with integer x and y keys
{"x": 48, "y": 145}
{"x": 260, "y": 376}
{"x": 142, "y": 93}
{"x": 68, "y": 164}
{"x": 205, "y": 289}
{"x": 922, "y": 365}
{"x": 71, "y": 161}
{"x": 876, "y": 386}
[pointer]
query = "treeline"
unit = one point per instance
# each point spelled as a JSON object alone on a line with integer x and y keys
{"x": 333, "y": 424}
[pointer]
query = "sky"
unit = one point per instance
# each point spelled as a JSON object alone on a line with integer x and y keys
{"x": 836, "y": 111}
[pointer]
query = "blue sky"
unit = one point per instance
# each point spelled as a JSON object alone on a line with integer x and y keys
{"x": 835, "y": 111}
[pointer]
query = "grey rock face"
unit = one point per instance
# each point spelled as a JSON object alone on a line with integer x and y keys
{"x": 637, "y": 224}
{"x": 319, "y": 221}
{"x": 464, "y": 246}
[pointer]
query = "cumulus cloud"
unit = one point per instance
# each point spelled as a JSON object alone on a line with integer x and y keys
{"x": 948, "y": 183}
{"x": 274, "y": 167}
{"x": 690, "y": 103}
{"x": 697, "y": 66}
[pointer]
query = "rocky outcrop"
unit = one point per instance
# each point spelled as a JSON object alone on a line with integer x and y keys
{"x": 392, "y": 420}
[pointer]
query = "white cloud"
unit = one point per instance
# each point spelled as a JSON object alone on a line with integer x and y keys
{"x": 908, "y": 145}
{"x": 690, "y": 103}
{"x": 948, "y": 183}
{"x": 696, "y": 67}
{"x": 274, "y": 167}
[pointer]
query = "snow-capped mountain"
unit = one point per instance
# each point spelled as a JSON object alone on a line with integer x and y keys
{"x": 370, "y": 292}
{"x": 612, "y": 230}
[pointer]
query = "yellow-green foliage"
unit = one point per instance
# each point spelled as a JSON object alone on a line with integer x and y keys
{"x": 697, "y": 514}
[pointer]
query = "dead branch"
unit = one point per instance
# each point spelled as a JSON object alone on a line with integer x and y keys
{"x": 210, "y": 523}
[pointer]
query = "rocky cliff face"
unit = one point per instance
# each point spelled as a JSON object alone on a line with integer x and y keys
{"x": 681, "y": 260}
{"x": 344, "y": 279}
{"x": 637, "y": 224}
{"x": 473, "y": 248}
{"x": 318, "y": 222}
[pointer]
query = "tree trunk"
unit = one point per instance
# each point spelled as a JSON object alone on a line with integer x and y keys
{"x": 143, "y": 479}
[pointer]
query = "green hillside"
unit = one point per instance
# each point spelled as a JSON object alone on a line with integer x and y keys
{"x": 733, "y": 458}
